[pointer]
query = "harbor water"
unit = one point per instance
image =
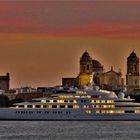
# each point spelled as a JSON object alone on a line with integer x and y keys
{"x": 59, "y": 130}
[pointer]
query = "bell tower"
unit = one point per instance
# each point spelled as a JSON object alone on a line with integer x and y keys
{"x": 86, "y": 63}
{"x": 133, "y": 75}
{"x": 86, "y": 69}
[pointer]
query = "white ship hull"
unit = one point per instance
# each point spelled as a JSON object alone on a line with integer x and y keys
{"x": 76, "y": 115}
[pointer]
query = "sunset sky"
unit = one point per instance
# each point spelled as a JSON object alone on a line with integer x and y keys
{"x": 41, "y": 42}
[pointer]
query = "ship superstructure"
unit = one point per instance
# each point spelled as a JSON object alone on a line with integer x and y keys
{"x": 75, "y": 105}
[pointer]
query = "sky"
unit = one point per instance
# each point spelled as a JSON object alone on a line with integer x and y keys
{"x": 42, "y": 41}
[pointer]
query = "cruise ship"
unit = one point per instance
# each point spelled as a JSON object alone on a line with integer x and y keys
{"x": 75, "y": 105}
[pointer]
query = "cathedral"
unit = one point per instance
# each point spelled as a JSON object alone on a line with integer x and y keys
{"x": 133, "y": 75}
{"x": 92, "y": 72}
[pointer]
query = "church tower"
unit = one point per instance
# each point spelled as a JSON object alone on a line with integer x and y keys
{"x": 86, "y": 69}
{"x": 133, "y": 75}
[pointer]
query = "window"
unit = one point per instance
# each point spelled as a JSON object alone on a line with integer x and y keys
{"x": 97, "y": 106}
{"x": 68, "y": 112}
{"x": 70, "y": 106}
{"x": 97, "y": 101}
{"x": 54, "y": 112}
{"x": 83, "y": 101}
{"x": 130, "y": 111}
{"x": 55, "y": 101}
{"x": 87, "y": 67}
{"x": 85, "y": 106}
{"x": 37, "y": 106}
{"x": 71, "y": 101}
{"x": 44, "y": 106}
{"x": 38, "y": 112}
{"x": 91, "y": 101}
{"x": 59, "y": 112}
{"x": 46, "y": 112}
{"x": 21, "y": 105}
{"x": 29, "y": 106}
{"x": 62, "y": 106}
{"x": 54, "y": 106}
{"x": 88, "y": 111}
{"x": 65, "y": 101}
{"x": 84, "y": 68}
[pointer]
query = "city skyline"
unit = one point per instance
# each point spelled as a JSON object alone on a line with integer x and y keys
{"x": 41, "y": 42}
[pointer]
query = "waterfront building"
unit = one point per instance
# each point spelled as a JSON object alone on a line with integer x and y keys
{"x": 25, "y": 90}
{"x": 90, "y": 70}
{"x": 5, "y": 82}
{"x": 97, "y": 70}
{"x": 133, "y": 75}
{"x": 112, "y": 78}
{"x": 72, "y": 81}
{"x": 86, "y": 69}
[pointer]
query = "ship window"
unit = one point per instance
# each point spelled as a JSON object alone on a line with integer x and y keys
{"x": 76, "y": 106}
{"x": 54, "y": 106}
{"x": 43, "y": 101}
{"x": 47, "y": 101}
{"x": 97, "y": 106}
{"x": 107, "y": 106}
{"x": 44, "y": 106}
{"x": 55, "y": 101}
{"x": 109, "y": 101}
{"x": 29, "y": 106}
{"x": 54, "y": 112}
{"x": 111, "y": 111}
{"x": 98, "y": 111}
{"x": 88, "y": 111}
{"x": 62, "y": 106}
{"x": 60, "y": 101}
{"x": 70, "y": 106}
{"x": 37, "y": 106}
{"x": 83, "y": 101}
{"x": 91, "y": 101}
{"x": 137, "y": 111}
{"x": 129, "y": 111}
{"x": 97, "y": 101}
{"x": 21, "y": 105}
{"x": 85, "y": 106}
{"x": 46, "y": 112}
{"x": 68, "y": 112}
{"x": 103, "y": 101}
{"x": 71, "y": 101}
{"x": 59, "y": 112}
{"x": 95, "y": 96}
{"x": 38, "y": 112}
{"x": 65, "y": 101}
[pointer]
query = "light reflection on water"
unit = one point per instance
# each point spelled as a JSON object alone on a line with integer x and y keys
{"x": 92, "y": 130}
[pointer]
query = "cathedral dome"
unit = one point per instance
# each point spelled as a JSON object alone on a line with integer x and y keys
{"x": 96, "y": 64}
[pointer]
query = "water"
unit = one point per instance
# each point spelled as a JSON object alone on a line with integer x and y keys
{"x": 92, "y": 130}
